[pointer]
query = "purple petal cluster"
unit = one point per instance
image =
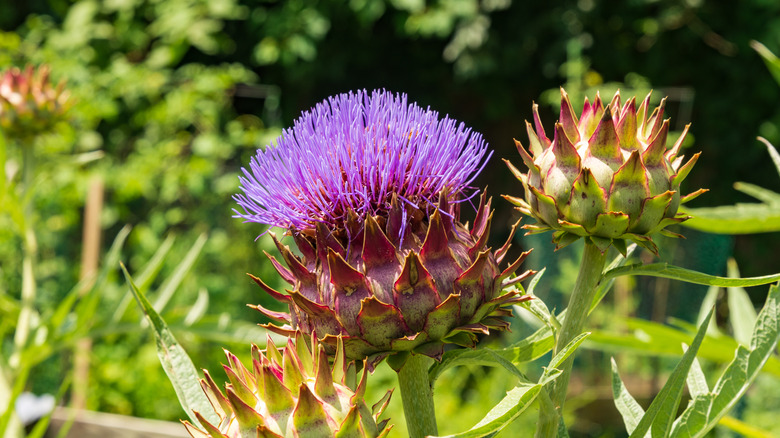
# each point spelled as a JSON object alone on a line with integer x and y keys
{"x": 353, "y": 152}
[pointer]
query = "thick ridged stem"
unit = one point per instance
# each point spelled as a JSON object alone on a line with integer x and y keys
{"x": 30, "y": 248}
{"x": 417, "y": 396}
{"x": 579, "y": 305}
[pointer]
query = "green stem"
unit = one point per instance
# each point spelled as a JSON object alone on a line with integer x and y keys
{"x": 30, "y": 248}
{"x": 579, "y": 304}
{"x": 417, "y": 396}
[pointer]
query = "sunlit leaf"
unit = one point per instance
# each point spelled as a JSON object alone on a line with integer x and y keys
{"x": 734, "y": 219}
{"x": 705, "y": 411}
{"x": 625, "y": 403}
{"x": 666, "y": 270}
{"x": 771, "y": 61}
{"x": 516, "y": 401}
{"x": 742, "y": 315}
{"x": 660, "y": 415}
{"x": 175, "y": 361}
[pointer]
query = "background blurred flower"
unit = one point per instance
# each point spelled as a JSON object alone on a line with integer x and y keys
{"x": 29, "y": 104}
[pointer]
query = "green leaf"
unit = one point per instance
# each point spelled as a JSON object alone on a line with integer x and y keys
{"x": 84, "y": 313}
{"x": 171, "y": 283}
{"x": 742, "y": 218}
{"x": 742, "y": 315}
{"x": 628, "y": 407}
{"x": 705, "y": 411}
{"x": 567, "y": 351}
{"x": 760, "y": 193}
{"x": 743, "y": 429}
{"x": 707, "y": 303}
{"x": 660, "y": 415}
{"x": 199, "y": 308}
{"x": 605, "y": 285}
{"x": 771, "y": 61}
{"x": 175, "y": 361}
{"x": 772, "y": 152}
{"x": 666, "y": 270}
{"x": 734, "y": 219}
{"x": 148, "y": 273}
{"x": 534, "y": 281}
{"x": 42, "y": 424}
{"x": 652, "y": 338}
{"x": 696, "y": 381}
{"x": 531, "y": 348}
{"x": 516, "y": 401}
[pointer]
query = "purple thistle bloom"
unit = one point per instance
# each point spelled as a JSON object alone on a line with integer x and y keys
{"x": 352, "y": 152}
{"x": 366, "y": 186}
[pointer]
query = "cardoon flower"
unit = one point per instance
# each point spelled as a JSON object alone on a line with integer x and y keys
{"x": 369, "y": 186}
{"x": 607, "y": 177}
{"x": 29, "y": 104}
{"x": 292, "y": 393}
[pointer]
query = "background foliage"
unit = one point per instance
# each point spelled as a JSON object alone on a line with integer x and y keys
{"x": 173, "y": 97}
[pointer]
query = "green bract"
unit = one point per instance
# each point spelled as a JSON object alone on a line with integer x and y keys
{"x": 607, "y": 177}
{"x": 293, "y": 393}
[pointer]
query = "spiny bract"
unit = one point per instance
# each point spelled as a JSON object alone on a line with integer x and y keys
{"x": 293, "y": 393}
{"x": 607, "y": 177}
{"x": 369, "y": 187}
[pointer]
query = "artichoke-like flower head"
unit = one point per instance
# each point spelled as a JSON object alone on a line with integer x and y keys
{"x": 292, "y": 393}
{"x": 607, "y": 176}
{"x": 369, "y": 186}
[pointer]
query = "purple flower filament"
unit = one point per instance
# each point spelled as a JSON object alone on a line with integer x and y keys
{"x": 353, "y": 152}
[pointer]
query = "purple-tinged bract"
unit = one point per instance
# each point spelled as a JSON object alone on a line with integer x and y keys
{"x": 369, "y": 187}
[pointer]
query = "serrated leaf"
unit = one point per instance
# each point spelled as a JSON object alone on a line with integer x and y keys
{"x": 507, "y": 410}
{"x": 625, "y": 403}
{"x": 696, "y": 381}
{"x": 175, "y": 361}
{"x": 666, "y": 270}
{"x": 704, "y": 412}
{"x": 660, "y": 415}
{"x": 742, "y": 315}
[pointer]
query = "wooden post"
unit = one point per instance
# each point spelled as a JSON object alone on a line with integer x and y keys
{"x": 90, "y": 253}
